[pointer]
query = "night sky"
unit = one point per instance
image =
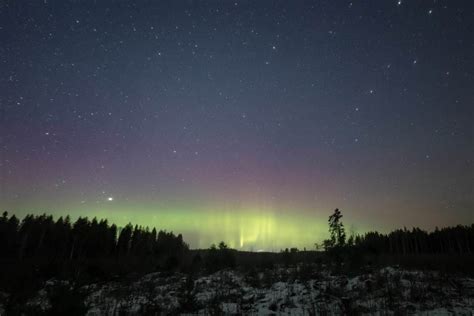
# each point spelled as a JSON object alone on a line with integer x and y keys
{"x": 247, "y": 121}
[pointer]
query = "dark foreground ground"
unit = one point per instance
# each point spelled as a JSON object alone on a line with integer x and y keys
{"x": 302, "y": 289}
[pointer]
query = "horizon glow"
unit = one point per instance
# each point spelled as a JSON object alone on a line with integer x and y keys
{"x": 245, "y": 122}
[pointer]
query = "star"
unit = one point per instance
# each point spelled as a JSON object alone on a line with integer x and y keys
{"x": 250, "y": 95}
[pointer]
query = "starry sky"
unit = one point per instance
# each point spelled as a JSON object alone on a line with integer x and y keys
{"x": 243, "y": 121}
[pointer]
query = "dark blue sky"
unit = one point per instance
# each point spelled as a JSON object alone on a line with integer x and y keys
{"x": 304, "y": 106}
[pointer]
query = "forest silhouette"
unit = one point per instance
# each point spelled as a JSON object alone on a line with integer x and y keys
{"x": 38, "y": 247}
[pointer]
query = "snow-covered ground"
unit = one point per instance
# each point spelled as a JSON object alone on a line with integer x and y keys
{"x": 288, "y": 291}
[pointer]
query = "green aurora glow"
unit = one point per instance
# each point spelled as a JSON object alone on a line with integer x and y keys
{"x": 247, "y": 124}
{"x": 245, "y": 230}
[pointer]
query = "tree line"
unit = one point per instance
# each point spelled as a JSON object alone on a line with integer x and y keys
{"x": 38, "y": 248}
{"x": 449, "y": 240}
{"x": 43, "y": 241}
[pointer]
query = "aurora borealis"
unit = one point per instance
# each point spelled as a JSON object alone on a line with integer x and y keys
{"x": 243, "y": 121}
